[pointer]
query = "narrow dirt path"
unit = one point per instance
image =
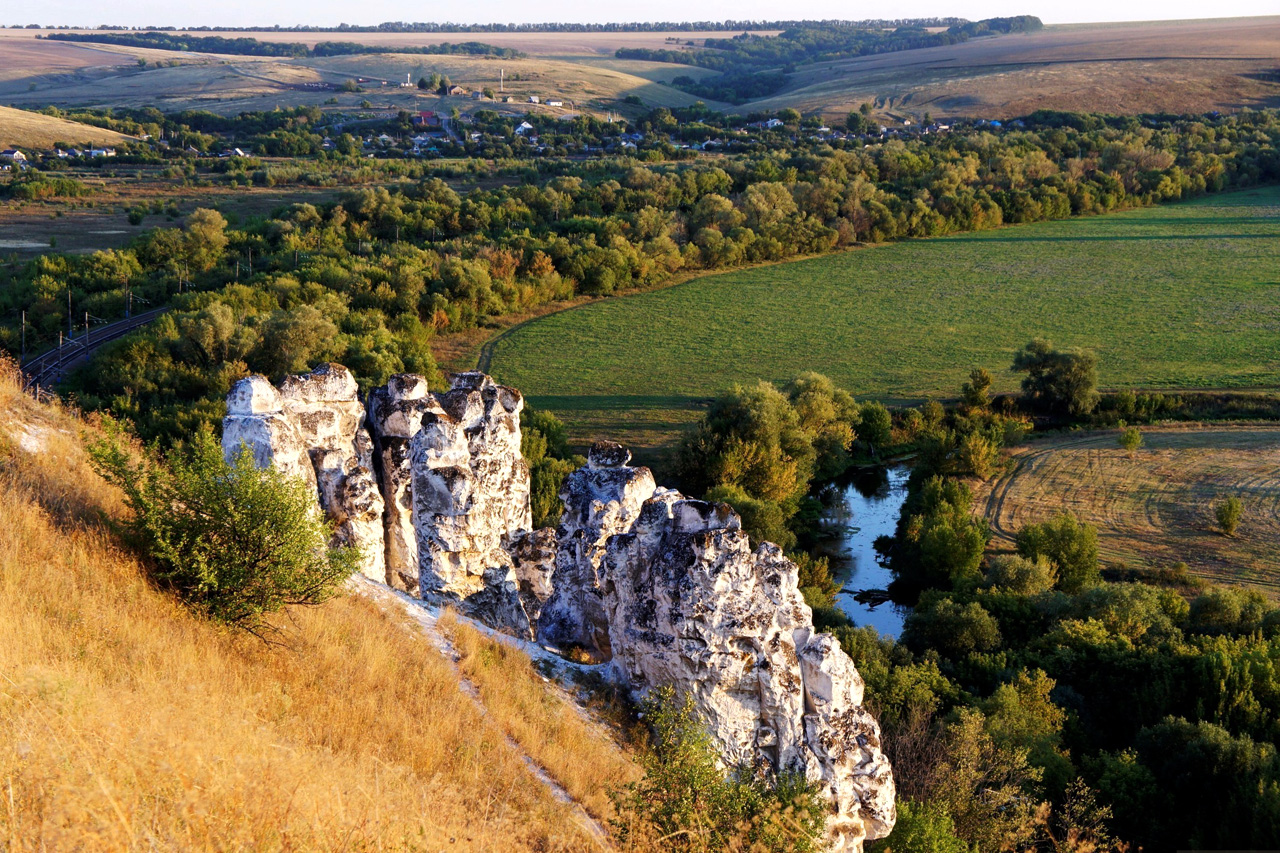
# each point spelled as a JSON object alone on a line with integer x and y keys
{"x": 427, "y": 618}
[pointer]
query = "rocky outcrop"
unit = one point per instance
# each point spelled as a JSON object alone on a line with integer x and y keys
{"x": 395, "y": 417}
{"x": 667, "y": 588}
{"x": 601, "y": 499}
{"x": 689, "y": 604}
{"x": 312, "y": 426}
{"x": 470, "y": 494}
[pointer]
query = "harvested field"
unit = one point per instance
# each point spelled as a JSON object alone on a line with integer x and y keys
{"x": 1157, "y": 508}
{"x": 1153, "y": 66}
{"x": 21, "y": 129}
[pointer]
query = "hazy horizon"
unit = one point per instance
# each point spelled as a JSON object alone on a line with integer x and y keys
{"x": 287, "y": 13}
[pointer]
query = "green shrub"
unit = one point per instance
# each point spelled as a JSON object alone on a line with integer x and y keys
{"x": 1068, "y": 543}
{"x": 1228, "y": 514}
{"x": 1130, "y": 439}
{"x": 235, "y": 542}
{"x": 686, "y": 804}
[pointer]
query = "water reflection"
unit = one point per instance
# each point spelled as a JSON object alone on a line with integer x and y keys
{"x": 865, "y": 504}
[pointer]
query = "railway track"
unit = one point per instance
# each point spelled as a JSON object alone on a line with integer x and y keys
{"x": 48, "y": 368}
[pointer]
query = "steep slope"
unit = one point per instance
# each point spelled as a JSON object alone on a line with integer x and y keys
{"x": 127, "y": 723}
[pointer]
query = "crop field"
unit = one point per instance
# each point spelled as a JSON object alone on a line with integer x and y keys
{"x": 1182, "y": 296}
{"x": 1157, "y": 508}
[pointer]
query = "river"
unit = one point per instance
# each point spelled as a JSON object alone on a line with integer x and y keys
{"x": 865, "y": 505}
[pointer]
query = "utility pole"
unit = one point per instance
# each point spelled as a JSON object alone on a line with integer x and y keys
{"x": 69, "y": 331}
{"x": 24, "y": 335}
{"x": 502, "y": 79}
{"x": 86, "y": 329}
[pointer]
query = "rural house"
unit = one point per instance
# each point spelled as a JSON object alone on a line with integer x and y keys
{"x": 13, "y": 155}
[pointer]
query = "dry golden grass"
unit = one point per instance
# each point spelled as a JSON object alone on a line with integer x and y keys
{"x": 22, "y": 129}
{"x": 127, "y": 724}
{"x": 579, "y": 754}
{"x": 1158, "y": 507}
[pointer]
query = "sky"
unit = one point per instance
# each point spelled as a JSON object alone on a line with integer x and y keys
{"x": 242, "y": 13}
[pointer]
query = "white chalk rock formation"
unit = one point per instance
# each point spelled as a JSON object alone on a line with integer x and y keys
{"x": 601, "y": 499}
{"x": 533, "y": 554}
{"x": 255, "y": 420}
{"x": 395, "y": 417}
{"x": 313, "y": 427}
{"x": 689, "y": 604}
{"x": 470, "y": 494}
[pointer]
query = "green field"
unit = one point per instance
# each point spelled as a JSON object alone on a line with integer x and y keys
{"x": 1182, "y": 296}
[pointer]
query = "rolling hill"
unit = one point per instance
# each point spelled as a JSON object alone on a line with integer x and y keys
{"x": 1162, "y": 66}
{"x": 21, "y": 129}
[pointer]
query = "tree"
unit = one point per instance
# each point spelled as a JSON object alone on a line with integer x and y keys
{"x": 424, "y": 83}
{"x": 205, "y": 238}
{"x": 789, "y": 116}
{"x": 1057, "y": 382}
{"x": 856, "y": 123}
{"x": 976, "y": 393}
{"x": 865, "y": 109}
{"x": 944, "y": 540}
{"x": 877, "y": 425}
{"x": 233, "y": 541}
{"x": 1130, "y": 439}
{"x": 1070, "y": 545}
{"x": 1228, "y": 514}
{"x": 444, "y": 85}
{"x": 978, "y": 455}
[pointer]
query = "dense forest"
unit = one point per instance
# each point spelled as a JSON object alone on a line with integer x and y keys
{"x": 245, "y": 46}
{"x": 370, "y": 278}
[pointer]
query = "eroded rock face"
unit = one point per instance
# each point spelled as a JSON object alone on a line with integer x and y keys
{"x": 601, "y": 499}
{"x": 470, "y": 494}
{"x": 533, "y": 553}
{"x": 689, "y": 604}
{"x": 313, "y": 427}
{"x": 395, "y": 417}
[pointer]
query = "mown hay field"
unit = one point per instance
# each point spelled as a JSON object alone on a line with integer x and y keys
{"x": 1156, "y": 508}
{"x": 1182, "y": 296}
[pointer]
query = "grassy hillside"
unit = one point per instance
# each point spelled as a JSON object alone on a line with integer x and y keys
{"x": 21, "y": 129}
{"x": 1179, "y": 296}
{"x": 126, "y": 724}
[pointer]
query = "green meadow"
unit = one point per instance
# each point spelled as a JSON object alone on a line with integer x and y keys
{"x": 1182, "y": 296}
